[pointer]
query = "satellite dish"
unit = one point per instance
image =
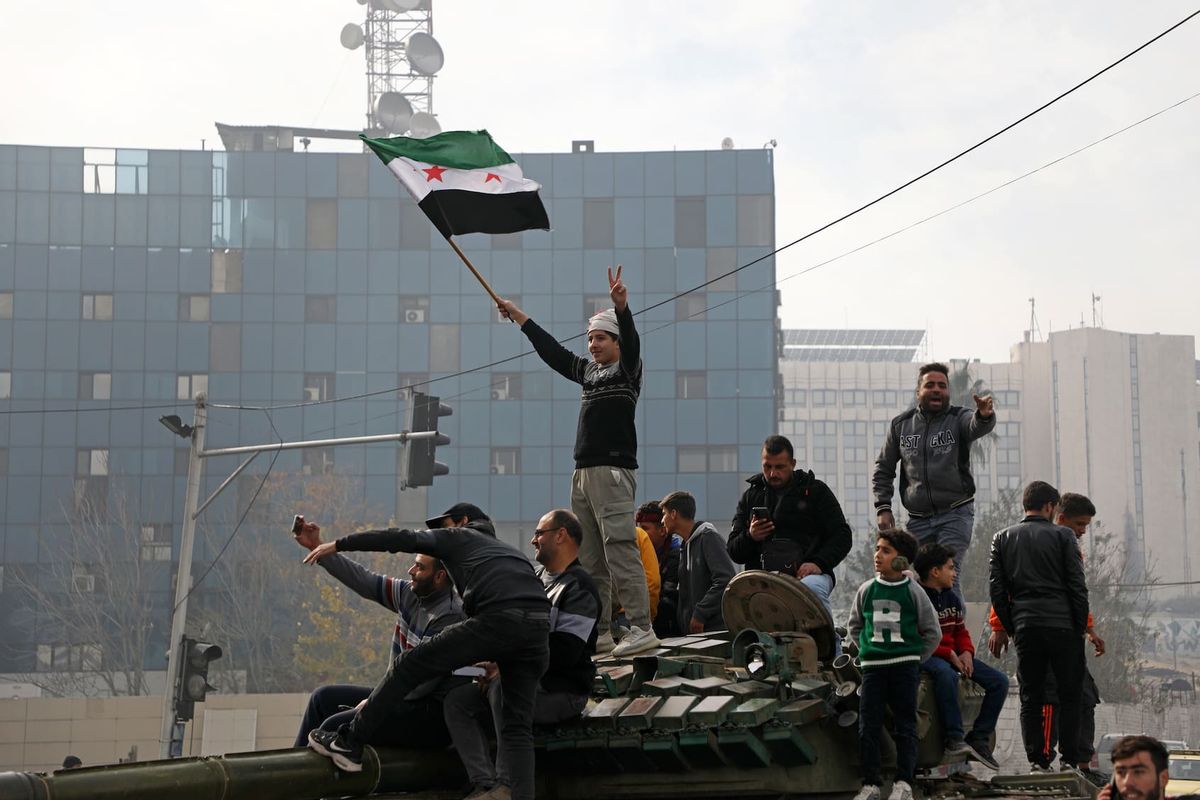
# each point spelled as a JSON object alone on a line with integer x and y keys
{"x": 352, "y": 36}
{"x": 393, "y": 112}
{"x": 424, "y": 53}
{"x": 424, "y": 125}
{"x": 398, "y": 6}
{"x": 727, "y": 143}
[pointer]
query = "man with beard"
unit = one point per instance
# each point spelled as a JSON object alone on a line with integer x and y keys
{"x": 789, "y": 521}
{"x": 563, "y": 690}
{"x": 933, "y": 443}
{"x": 424, "y": 605}
{"x": 508, "y": 621}
{"x": 1139, "y": 770}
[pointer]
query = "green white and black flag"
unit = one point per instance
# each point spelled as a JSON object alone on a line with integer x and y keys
{"x": 464, "y": 182}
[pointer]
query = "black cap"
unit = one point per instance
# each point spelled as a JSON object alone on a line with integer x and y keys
{"x": 457, "y": 511}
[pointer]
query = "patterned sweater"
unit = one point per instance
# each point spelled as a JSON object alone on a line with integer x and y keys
{"x": 893, "y": 622}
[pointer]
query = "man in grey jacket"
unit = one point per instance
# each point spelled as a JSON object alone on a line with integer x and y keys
{"x": 704, "y": 566}
{"x": 933, "y": 444}
{"x": 424, "y": 605}
{"x": 1040, "y": 596}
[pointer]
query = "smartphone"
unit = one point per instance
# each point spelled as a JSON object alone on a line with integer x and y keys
{"x": 1114, "y": 794}
{"x": 297, "y": 523}
{"x": 470, "y": 672}
{"x": 759, "y": 512}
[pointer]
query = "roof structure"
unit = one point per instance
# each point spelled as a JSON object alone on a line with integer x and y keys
{"x": 888, "y": 345}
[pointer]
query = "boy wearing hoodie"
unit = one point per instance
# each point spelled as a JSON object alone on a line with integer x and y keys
{"x": 955, "y": 657}
{"x": 704, "y": 566}
{"x": 896, "y": 629}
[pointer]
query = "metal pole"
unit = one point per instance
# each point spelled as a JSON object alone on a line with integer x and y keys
{"x": 183, "y": 581}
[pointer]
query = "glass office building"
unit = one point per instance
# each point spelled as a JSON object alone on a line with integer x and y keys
{"x": 134, "y": 278}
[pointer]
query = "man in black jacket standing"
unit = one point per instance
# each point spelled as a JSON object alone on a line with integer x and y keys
{"x": 932, "y": 442}
{"x": 1040, "y": 596}
{"x": 508, "y": 621}
{"x": 802, "y": 530}
{"x": 563, "y": 690}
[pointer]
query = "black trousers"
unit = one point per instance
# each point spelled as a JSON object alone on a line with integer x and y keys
{"x": 517, "y": 640}
{"x": 894, "y": 686}
{"x": 1089, "y": 699}
{"x": 1061, "y": 651}
{"x": 418, "y": 723}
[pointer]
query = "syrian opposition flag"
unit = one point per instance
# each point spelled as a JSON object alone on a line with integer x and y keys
{"x": 464, "y": 182}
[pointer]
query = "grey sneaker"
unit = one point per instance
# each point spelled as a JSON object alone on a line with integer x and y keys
{"x": 867, "y": 792}
{"x": 958, "y": 748}
{"x": 638, "y": 640}
{"x": 604, "y": 643}
{"x": 982, "y": 753}
{"x": 901, "y": 791}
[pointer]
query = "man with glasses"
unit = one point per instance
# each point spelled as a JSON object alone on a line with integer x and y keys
{"x": 563, "y": 690}
{"x": 508, "y": 621}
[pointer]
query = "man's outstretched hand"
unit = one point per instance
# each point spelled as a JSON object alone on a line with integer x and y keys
{"x": 320, "y": 551}
{"x": 617, "y": 290}
{"x": 508, "y": 310}
{"x": 309, "y": 535}
{"x": 984, "y": 405}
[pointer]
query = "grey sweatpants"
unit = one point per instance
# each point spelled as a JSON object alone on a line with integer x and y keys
{"x": 602, "y": 498}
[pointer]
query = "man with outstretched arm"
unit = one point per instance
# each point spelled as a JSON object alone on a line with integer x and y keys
{"x": 508, "y": 622}
{"x": 605, "y": 478}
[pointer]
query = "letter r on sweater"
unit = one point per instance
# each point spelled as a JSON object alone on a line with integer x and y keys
{"x": 886, "y": 618}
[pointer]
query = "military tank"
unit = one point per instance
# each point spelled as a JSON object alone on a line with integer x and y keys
{"x": 765, "y": 709}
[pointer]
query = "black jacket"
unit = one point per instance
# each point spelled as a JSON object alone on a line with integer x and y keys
{"x": 1037, "y": 577}
{"x": 489, "y": 574}
{"x": 805, "y": 511}
{"x": 574, "y": 612}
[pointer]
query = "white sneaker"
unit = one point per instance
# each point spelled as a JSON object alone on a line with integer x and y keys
{"x": 867, "y": 792}
{"x": 604, "y": 643}
{"x": 638, "y": 640}
{"x": 901, "y": 791}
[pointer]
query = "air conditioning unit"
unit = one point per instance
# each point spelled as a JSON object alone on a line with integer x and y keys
{"x": 85, "y": 584}
{"x": 312, "y": 394}
{"x": 499, "y": 469}
{"x": 500, "y": 394}
{"x": 414, "y": 315}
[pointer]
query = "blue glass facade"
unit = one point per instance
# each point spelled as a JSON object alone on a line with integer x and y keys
{"x": 133, "y": 277}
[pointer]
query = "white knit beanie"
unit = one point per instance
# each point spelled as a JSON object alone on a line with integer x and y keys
{"x": 605, "y": 321}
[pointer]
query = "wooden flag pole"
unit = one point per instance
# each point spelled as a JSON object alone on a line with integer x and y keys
{"x": 474, "y": 271}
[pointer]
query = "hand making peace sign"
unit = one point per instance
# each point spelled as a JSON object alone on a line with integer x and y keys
{"x": 617, "y": 290}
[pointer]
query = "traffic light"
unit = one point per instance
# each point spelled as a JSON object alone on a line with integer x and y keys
{"x": 423, "y": 413}
{"x": 193, "y": 680}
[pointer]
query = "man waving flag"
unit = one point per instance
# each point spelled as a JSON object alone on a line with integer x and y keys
{"x": 464, "y": 182}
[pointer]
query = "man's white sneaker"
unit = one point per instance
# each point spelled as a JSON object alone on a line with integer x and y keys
{"x": 638, "y": 640}
{"x": 867, "y": 792}
{"x": 901, "y": 791}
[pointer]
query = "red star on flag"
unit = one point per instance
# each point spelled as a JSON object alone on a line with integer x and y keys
{"x": 491, "y": 176}
{"x": 434, "y": 173}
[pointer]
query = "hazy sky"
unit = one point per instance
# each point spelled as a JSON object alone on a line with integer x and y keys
{"x": 860, "y": 97}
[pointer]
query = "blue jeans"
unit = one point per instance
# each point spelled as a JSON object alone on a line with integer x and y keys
{"x": 945, "y": 692}
{"x": 951, "y": 528}
{"x": 822, "y": 586}
{"x": 895, "y": 686}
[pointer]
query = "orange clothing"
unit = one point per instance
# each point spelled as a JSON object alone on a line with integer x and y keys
{"x": 650, "y": 566}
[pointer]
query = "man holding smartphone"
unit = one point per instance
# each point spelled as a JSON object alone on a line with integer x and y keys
{"x": 788, "y": 521}
{"x": 1140, "y": 770}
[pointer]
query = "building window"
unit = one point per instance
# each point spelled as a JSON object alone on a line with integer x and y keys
{"x": 823, "y": 398}
{"x": 156, "y": 542}
{"x": 795, "y": 397}
{"x": 411, "y": 380}
{"x": 69, "y": 658}
{"x": 414, "y": 308}
{"x": 91, "y": 462}
{"x": 723, "y": 458}
{"x": 755, "y": 219}
{"x": 97, "y": 306}
{"x": 854, "y": 444}
{"x": 1007, "y": 398}
{"x": 691, "y": 306}
{"x": 598, "y": 224}
{"x": 317, "y": 461}
{"x": 318, "y": 387}
{"x": 505, "y": 461}
{"x": 443, "y": 348}
{"x": 188, "y": 386}
{"x": 5, "y": 385}
{"x": 95, "y": 386}
{"x": 194, "y": 307}
{"x": 322, "y": 224}
{"x": 99, "y": 170}
{"x": 706, "y": 458}
{"x": 691, "y": 385}
{"x": 507, "y": 241}
{"x": 693, "y": 458}
{"x": 691, "y": 224}
{"x": 6, "y": 305}
{"x": 593, "y": 304}
{"x": 82, "y": 581}
{"x": 854, "y": 398}
{"x": 183, "y": 457}
{"x": 885, "y": 398}
{"x": 225, "y": 347}
{"x": 320, "y": 308}
{"x": 506, "y": 386}
{"x": 226, "y": 271}
{"x": 824, "y": 442}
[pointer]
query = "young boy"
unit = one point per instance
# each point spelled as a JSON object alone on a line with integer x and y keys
{"x": 896, "y": 629}
{"x": 955, "y": 656}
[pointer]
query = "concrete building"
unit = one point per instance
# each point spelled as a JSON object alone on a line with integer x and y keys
{"x": 1073, "y": 410}
{"x": 286, "y": 280}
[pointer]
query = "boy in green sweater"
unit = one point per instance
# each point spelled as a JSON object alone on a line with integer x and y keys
{"x": 896, "y": 628}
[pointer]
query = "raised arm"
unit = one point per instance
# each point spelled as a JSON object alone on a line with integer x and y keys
{"x": 557, "y": 357}
{"x": 353, "y": 575}
{"x": 885, "y": 475}
{"x": 631, "y": 345}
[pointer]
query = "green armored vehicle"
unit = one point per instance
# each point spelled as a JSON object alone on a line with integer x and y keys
{"x": 764, "y": 710}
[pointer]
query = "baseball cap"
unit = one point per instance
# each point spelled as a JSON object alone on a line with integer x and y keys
{"x": 469, "y": 510}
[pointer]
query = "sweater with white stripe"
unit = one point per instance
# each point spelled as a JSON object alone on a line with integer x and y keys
{"x": 574, "y": 612}
{"x": 893, "y": 622}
